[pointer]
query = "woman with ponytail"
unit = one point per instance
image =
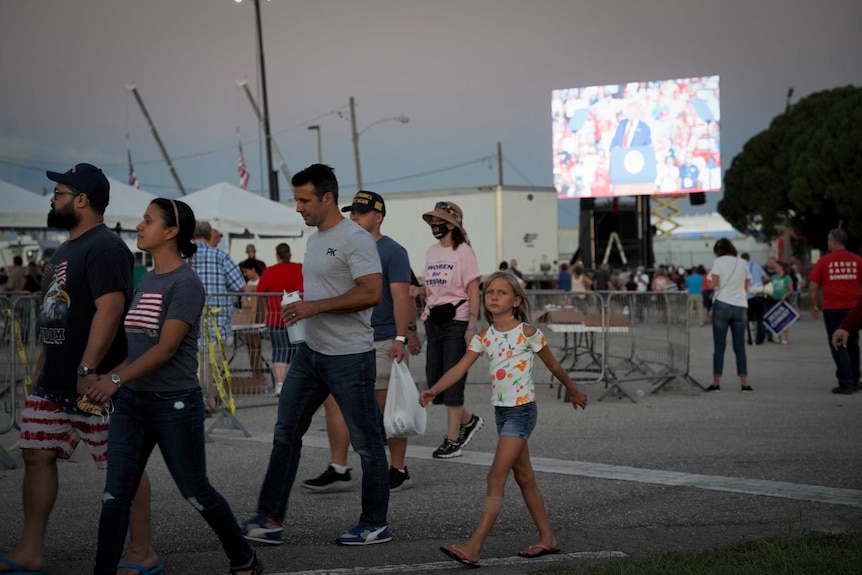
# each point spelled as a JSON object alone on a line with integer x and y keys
{"x": 157, "y": 397}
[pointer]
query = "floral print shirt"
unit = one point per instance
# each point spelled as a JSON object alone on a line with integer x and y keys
{"x": 510, "y": 356}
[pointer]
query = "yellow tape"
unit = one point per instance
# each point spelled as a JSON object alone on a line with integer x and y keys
{"x": 22, "y": 354}
{"x": 225, "y": 392}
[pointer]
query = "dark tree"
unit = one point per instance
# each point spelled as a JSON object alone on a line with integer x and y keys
{"x": 804, "y": 171}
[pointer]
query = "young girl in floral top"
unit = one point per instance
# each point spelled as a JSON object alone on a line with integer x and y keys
{"x": 511, "y": 345}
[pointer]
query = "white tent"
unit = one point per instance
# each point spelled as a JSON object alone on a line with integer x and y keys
{"x": 234, "y": 210}
{"x": 21, "y": 209}
{"x": 127, "y": 205}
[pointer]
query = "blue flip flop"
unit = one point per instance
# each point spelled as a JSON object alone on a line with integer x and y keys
{"x": 141, "y": 569}
{"x": 17, "y": 569}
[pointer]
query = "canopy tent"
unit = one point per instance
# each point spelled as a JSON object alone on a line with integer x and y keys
{"x": 127, "y": 205}
{"x": 22, "y": 209}
{"x": 235, "y": 211}
{"x": 25, "y": 210}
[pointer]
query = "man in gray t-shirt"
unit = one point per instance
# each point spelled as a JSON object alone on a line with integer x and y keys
{"x": 342, "y": 282}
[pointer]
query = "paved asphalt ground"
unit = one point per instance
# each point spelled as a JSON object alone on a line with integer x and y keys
{"x": 681, "y": 469}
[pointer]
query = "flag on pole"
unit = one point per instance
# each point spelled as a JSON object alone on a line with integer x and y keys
{"x": 242, "y": 169}
{"x": 133, "y": 178}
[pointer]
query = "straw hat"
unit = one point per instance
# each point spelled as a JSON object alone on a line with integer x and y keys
{"x": 448, "y": 212}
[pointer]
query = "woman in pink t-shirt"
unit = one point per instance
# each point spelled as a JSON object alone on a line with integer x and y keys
{"x": 451, "y": 313}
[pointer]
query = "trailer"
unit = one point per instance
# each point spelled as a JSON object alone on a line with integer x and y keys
{"x": 502, "y": 222}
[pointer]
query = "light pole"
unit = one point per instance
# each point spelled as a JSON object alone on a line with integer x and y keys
{"x": 272, "y": 174}
{"x": 403, "y": 119}
{"x": 319, "y": 147}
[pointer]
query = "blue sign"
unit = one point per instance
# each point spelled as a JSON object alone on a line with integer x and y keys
{"x": 780, "y": 317}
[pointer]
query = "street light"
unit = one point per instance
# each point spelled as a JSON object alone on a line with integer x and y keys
{"x": 273, "y": 175}
{"x": 319, "y": 148}
{"x": 403, "y": 119}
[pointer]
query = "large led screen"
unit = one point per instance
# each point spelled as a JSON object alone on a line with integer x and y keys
{"x": 640, "y": 138}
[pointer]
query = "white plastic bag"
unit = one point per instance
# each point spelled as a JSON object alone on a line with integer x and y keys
{"x": 402, "y": 414}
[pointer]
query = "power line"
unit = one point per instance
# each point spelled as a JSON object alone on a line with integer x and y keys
{"x": 514, "y": 167}
{"x": 432, "y": 172}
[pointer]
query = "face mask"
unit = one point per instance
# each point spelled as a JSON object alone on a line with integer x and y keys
{"x": 440, "y": 230}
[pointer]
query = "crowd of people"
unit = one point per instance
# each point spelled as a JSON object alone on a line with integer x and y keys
{"x": 118, "y": 370}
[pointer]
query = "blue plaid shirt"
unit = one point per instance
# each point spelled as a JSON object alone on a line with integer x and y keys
{"x": 219, "y": 274}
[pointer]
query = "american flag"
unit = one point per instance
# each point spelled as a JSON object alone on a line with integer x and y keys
{"x": 242, "y": 169}
{"x": 133, "y": 178}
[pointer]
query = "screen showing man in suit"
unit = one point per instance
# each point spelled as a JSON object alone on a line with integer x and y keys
{"x": 639, "y": 138}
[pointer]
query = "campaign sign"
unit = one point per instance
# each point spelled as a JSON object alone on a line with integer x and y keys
{"x": 780, "y": 317}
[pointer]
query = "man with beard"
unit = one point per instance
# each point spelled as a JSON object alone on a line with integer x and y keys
{"x": 86, "y": 291}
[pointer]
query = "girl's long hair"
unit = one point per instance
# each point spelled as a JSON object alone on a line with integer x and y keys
{"x": 521, "y": 312}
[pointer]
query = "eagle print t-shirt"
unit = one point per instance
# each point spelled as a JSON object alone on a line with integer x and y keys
{"x": 178, "y": 294}
{"x": 510, "y": 358}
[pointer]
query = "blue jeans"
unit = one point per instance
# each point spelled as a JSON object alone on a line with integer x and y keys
{"x": 446, "y": 346}
{"x": 175, "y": 422}
{"x": 846, "y": 358}
{"x": 726, "y": 316}
{"x": 311, "y": 378}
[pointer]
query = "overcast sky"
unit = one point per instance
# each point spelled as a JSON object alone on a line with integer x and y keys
{"x": 468, "y": 73}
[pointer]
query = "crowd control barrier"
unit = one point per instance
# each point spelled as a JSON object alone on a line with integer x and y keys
{"x": 243, "y": 354}
{"x": 617, "y": 337}
{"x": 19, "y": 350}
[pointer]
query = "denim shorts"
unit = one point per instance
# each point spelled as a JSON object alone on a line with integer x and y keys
{"x": 518, "y": 421}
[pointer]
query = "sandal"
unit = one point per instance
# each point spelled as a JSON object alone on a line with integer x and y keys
{"x": 256, "y": 567}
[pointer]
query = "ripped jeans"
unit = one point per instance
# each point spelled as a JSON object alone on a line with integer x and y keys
{"x": 175, "y": 422}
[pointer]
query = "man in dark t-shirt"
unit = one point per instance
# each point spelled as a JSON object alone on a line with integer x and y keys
{"x": 86, "y": 290}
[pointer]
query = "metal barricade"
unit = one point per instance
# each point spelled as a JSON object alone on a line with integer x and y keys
{"x": 19, "y": 349}
{"x": 573, "y": 326}
{"x": 243, "y": 363}
{"x": 617, "y": 337}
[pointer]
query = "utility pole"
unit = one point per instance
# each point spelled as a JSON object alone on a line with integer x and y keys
{"x": 499, "y": 164}
{"x": 355, "y": 143}
{"x": 133, "y": 88}
{"x": 273, "y": 175}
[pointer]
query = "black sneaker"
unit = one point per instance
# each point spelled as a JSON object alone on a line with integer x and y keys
{"x": 713, "y": 387}
{"x": 330, "y": 480}
{"x": 447, "y": 450}
{"x": 398, "y": 480}
{"x": 467, "y": 432}
{"x": 843, "y": 390}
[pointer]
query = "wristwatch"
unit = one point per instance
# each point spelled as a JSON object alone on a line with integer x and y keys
{"x": 84, "y": 371}
{"x": 401, "y": 338}
{"x": 115, "y": 379}
{"x": 411, "y": 326}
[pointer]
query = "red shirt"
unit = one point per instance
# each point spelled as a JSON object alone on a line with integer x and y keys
{"x": 278, "y": 278}
{"x": 839, "y": 273}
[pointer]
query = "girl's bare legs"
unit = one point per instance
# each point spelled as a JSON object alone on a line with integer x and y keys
{"x": 526, "y": 478}
{"x": 508, "y": 455}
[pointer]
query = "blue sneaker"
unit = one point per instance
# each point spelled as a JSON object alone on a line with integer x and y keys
{"x": 258, "y": 528}
{"x": 365, "y": 535}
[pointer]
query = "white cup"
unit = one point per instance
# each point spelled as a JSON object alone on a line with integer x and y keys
{"x": 295, "y": 332}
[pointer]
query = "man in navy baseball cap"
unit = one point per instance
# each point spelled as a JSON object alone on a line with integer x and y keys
{"x": 365, "y": 201}
{"x": 86, "y": 179}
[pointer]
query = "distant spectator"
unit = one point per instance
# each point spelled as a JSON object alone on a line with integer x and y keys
{"x": 839, "y": 273}
{"x": 15, "y": 280}
{"x": 694, "y": 286}
{"x": 565, "y": 277}
{"x": 215, "y": 238}
{"x": 283, "y": 276}
{"x": 251, "y": 257}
